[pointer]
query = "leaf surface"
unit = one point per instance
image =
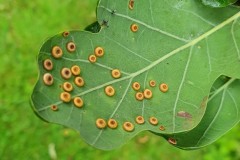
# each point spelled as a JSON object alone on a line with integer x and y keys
{"x": 222, "y": 115}
{"x": 182, "y": 44}
{"x": 218, "y": 3}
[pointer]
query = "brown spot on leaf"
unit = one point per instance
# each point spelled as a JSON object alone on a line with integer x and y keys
{"x": 184, "y": 114}
{"x": 131, "y": 4}
{"x": 172, "y": 141}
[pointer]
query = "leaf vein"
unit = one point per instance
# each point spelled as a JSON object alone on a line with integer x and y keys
{"x": 146, "y": 25}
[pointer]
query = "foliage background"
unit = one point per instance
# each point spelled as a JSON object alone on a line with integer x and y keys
{"x": 24, "y": 25}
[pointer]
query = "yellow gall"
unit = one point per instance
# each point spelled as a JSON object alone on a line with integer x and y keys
{"x": 92, "y": 58}
{"x": 99, "y": 51}
{"x": 65, "y": 97}
{"x": 140, "y": 120}
{"x": 116, "y": 73}
{"x": 78, "y": 102}
{"x": 128, "y": 126}
{"x": 134, "y": 27}
{"x": 112, "y": 123}
{"x": 136, "y": 86}
{"x": 139, "y": 96}
{"x": 109, "y": 91}
{"x": 75, "y": 70}
{"x": 48, "y": 79}
{"x": 163, "y": 87}
{"x": 71, "y": 47}
{"x": 66, "y": 73}
{"x": 153, "y": 120}
{"x": 101, "y": 123}
{"x": 79, "y": 81}
{"x": 48, "y": 64}
{"x": 57, "y": 52}
{"x": 147, "y": 93}
{"x": 67, "y": 86}
{"x": 152, "y": 83}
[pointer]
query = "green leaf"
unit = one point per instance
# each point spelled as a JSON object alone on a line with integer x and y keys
{"x": 222, "y": 114}
{"x": 183, "y": 44}
{"x": 218, "y": 3}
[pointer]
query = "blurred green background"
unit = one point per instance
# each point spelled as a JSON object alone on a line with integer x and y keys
{"x": 24, "y": 25}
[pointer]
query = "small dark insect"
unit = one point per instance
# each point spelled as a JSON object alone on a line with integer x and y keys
{"x": 113, "y": 11}
{"x": 105, "y": 23}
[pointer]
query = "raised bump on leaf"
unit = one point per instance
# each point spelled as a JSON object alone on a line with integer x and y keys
{"x": 101, "y": 123}
{"x": 54, "y": 108}
{"x": 147, "y": 94}
{"x": 162, "y": 128}
{"x": 48, "y": 64}
{"x": 153, "y": 121}
{"x": 134, "y": 27}
{"x": 65, "y": 34}
{"x": 57, "y": 52}
{"x": 71, "y": 47}
{"x": 78, "y": 102}
{"x": 67, "y": 86}
{"x": 66, "y": 73}
{"x": 163, "y": 87}
{"x": 112, "y": 123}
{"x": 152, "y": 83}
{"x": 48, "y": 79}
{"x": 75, "y": 70}
{"x": 128, "y": 126}
{"x": 99, "y": 51}
{"x": 136, "y": 86}
{"x": 109, "y": 91}
{"x": 116, "y": 73}
{"x": 79, "y": 81}
{"x": 139, "y": 96}
{"x": 65, "y": 97}
{"x": 92, "y": 58}
{"x": 140, "y": 120}
{"x": 131, "y": 4}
